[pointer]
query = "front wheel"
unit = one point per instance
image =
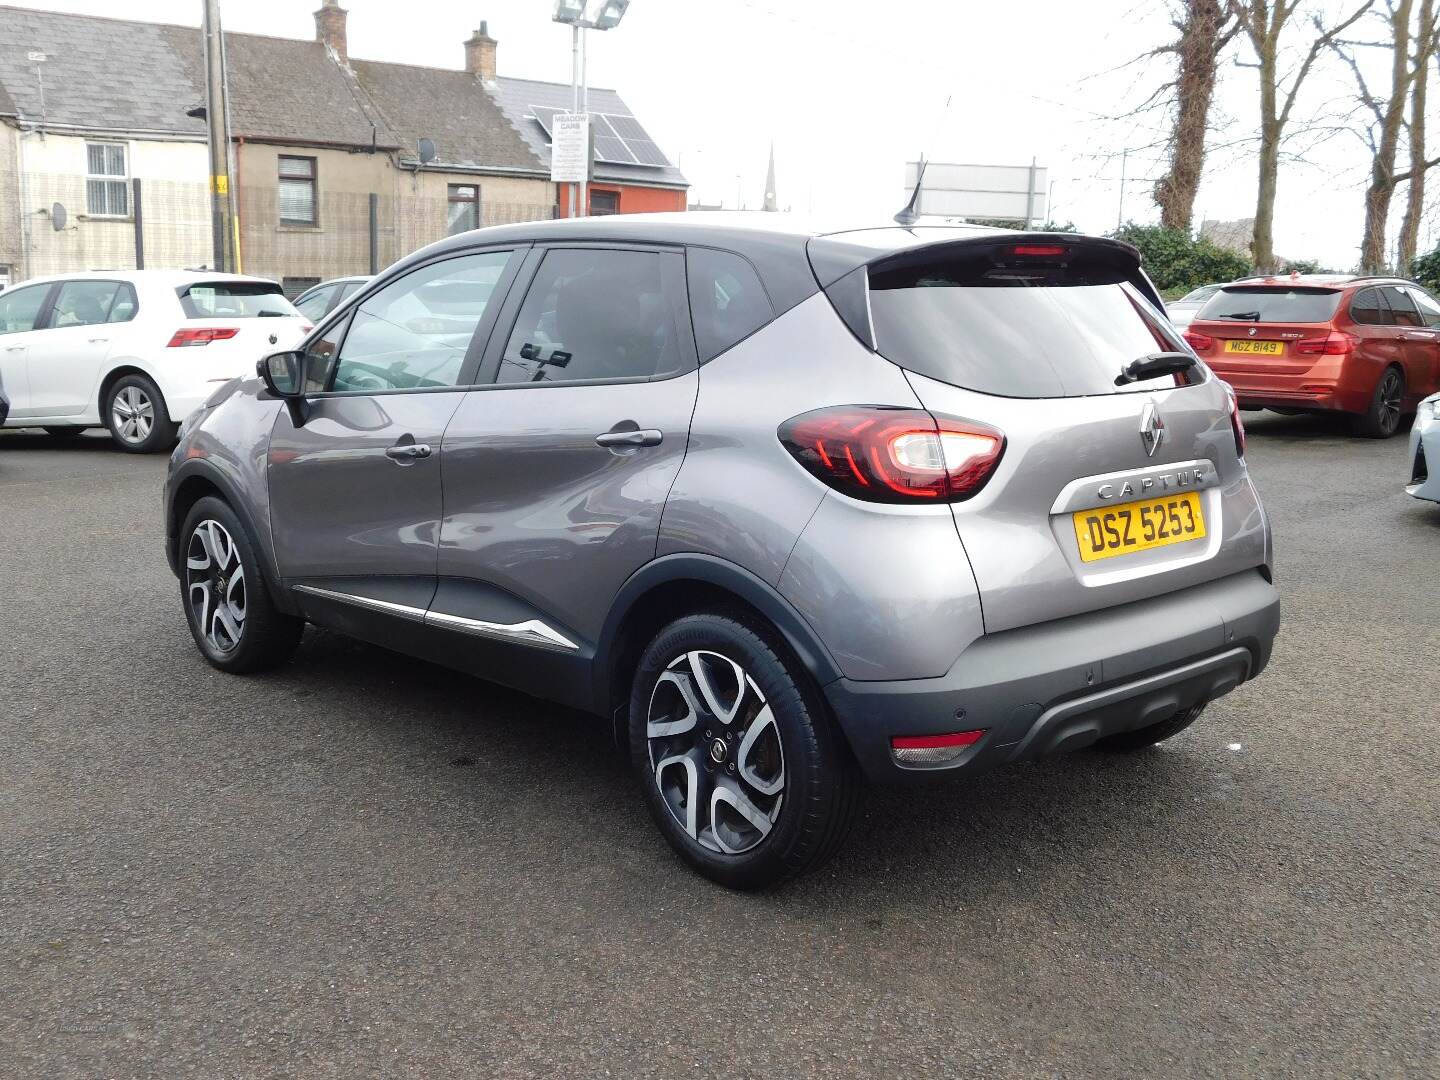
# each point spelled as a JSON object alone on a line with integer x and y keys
{"x": 136, "y": 415}
{"x": 742, "y": 769}
{"x": 1382, "y": 419}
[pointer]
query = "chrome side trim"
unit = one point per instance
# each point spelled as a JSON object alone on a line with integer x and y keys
{"x": 402, "y": 610}
{"x": 530, "y": 632}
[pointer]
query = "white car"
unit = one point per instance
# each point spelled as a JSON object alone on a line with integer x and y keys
{"x": 135, "y": 351}
{"x": 1182, "y": 311}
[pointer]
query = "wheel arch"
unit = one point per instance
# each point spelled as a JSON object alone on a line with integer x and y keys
{"x": 193, "y": 481}
{"x": 114, "y": 375}
{"x": 675, "y": 585}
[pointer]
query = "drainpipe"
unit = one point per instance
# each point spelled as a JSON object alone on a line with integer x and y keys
{"x": 239, "y": 184}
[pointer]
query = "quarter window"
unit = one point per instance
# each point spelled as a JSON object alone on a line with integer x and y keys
{"x": 415, "y": 333}
{"x": 594, "y": 315}
{"x": 1402, "y": 308}
{"x": 126, "y": 304}
{"x": 297, "y": 191}
{"x": 1429, "y": 308}
{"x": 313, "y": 305}
{"x": 727, "y": 301}
{"x": 1369, "y": 309}
{"x": 107, "y": 180}
{"x": 19, "y": 308}
{"x": 464, "y": 208}
{"x": 83, "y": 303}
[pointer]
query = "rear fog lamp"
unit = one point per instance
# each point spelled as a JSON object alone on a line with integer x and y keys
{"x": 933, "y": 749}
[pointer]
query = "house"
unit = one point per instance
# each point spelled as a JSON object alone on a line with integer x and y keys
{"x": 103, "y": 162}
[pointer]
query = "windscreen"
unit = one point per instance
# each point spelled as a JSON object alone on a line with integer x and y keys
{"x": 1043, "y": 335}
{"x": 235, "y": 300}
{"x": 1271, "y": 304}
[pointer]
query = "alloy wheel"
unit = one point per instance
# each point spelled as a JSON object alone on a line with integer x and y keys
{"x": 715, "y": 752}
{"x": 215, "y": 585}
{"x": 133, "y": 413}
{"x": 1390, "y": 394}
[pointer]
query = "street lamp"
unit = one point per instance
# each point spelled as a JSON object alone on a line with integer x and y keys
{"x": 582, "y": 15}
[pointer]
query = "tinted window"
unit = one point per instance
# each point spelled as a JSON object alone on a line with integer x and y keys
{"x": 1196, "y": 296}
{"x": 595, "y": 314}
{"x": 1429, "y": 308}
{"x": 1369, "y": 309}
{"x": 314, "y": 304}
{"x": 125, "y": 306}
{"x": 19, "y": 307}
{"x": 1261, "y": 304}
{"x": 1015, "y": 340}
{"x": 416, "y": 332}
{"x": 83, "y": 303}
{"x": 727, "y": 301}
{"x": 235, "y": 300}
{"x": 1402, "y": 308}
{"x": 349, "y": 289}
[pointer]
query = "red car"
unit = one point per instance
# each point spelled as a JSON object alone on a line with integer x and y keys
{"x": 1307, "y": 343}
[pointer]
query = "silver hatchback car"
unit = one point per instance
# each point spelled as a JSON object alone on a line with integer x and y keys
{"x": 791, "y": 509}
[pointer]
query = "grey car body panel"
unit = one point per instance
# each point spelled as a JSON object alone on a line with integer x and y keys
{"x": 739, "y": 495}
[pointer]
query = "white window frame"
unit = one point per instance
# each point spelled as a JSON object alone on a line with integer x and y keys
{"x": 122, "y": 178}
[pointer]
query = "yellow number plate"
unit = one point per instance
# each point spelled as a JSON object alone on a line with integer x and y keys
{"x": 1108, "y": 531}
{"x": 1255, "y": 348}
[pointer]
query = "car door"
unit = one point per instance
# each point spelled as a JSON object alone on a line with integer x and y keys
{"x": 1418, "y": 321}
{"x": 21, "y": 310}
{"x": 68, "y": 350}
{"x": 355, "y": 485}
{"x": 557, "y": 472}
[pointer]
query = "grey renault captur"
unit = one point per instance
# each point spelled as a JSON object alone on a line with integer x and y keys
{"x": 791, "y": 509}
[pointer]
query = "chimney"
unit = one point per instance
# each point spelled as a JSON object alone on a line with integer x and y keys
{"x": 330, "y": 29}
{"x": 480, "y": 54}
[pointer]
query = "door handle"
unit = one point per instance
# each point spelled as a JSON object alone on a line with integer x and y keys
{"x": 644, "y": 437}
{"x": 14, "y": 348}
{"x": 408, "y": 452}
{"x": 98, "y": 340}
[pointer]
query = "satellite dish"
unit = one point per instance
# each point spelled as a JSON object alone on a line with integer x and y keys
{"x": 58, "y": 217}
{"x": 428, "y": 152}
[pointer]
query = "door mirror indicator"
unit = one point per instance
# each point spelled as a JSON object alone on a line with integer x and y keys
{"x": 283, "y": 373}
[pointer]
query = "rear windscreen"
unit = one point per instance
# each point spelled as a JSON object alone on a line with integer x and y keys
{"x": 1016, "y": 337}
{"x": 1262, "y": 304}
{"x": 235, "y": 300}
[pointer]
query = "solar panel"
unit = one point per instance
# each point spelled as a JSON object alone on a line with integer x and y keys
{"x": 646, "y": 152}
{"x": 612, "y": 150}
{"x": 627, "y": 127}
{"x": 619, "y": 140}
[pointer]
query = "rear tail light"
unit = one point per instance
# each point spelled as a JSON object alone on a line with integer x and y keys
{"x": 190, "y": 337}
{"x": 1236, "y": 424}
{"x": 1332, "y": 344}
{"x": 893, "y": 455}
{"x": 1198, "y": 341}
{"x": 933, "y": 749}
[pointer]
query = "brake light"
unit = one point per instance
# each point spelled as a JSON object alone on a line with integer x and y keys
{"x": 1198, "y": 341}
{"x": 893, "y": 455}
{"x": 1332, "y": 344}
{"x": 1236, "y": 424}
{"x": 1040, "y": 251}
{"x": 190, "y": 337}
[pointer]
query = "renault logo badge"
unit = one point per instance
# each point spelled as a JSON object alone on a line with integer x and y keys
{"x": 1152, "y": 429}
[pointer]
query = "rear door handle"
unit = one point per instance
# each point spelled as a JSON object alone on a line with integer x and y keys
{"x": 408, "y": 452}
{"x": 98, "y": 340}
{"x": 643, "y": 437}
{"x": 14, "y": 348}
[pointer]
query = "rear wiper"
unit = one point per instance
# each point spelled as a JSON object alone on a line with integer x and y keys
{"x": 1248, "y": 316}
{"x": 1160, "y": 363}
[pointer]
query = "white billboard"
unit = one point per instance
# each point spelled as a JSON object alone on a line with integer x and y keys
{"x": 570, "y": 148}
{"x": 980, "y": 192}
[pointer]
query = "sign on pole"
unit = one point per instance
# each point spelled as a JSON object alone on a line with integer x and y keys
{"x": 981, "y": 192}
{"x": 570, "y": 148}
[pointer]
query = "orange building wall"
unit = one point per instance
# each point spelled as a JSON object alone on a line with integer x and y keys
{"x": 633, "y": 200}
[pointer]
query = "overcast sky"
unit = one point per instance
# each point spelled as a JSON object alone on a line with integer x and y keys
{"x": 848, "y": 90}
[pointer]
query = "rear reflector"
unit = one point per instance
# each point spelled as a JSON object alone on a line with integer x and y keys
{"x": 201, "y": 335}
{"x": 933, "y": 749}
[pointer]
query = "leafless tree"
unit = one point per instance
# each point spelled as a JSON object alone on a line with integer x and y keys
{"x": 1264, "y": 23}
{"x": 1427, "y": 38}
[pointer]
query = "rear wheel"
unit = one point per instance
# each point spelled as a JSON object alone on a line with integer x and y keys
{"x": 136, "y": 415}
{"x": 1382, "y": 419}
{"x": 1149, "y": 736}
{"x": 741, "y": 767}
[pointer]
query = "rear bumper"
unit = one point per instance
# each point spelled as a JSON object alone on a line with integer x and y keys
{"x": 1315, "y": 389}
{"x": 1062, "y": 685}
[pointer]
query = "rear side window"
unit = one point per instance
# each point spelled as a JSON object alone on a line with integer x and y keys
{"x": 1369, "y": 309}
{"x": 727, "y": 301}
{"x": 1013, "y": 339}
{"x": 83, "y": 303}
{"x": 1429, "y": 309}
{"x": 235, "y": 300}
{"x": 125, "y": 306}
{"x": 1402, "y": 308}
{"x": 314, "y": 304}
{"x": 1269, "y": 304}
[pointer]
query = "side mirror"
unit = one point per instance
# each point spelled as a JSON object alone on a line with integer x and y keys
{"x": 283, "y": 374}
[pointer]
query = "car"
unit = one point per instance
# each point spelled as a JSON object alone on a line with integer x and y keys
{"x": 1365, "y": 346}
{"x": 4, "y": 404}
{"x": 134, "y": 351}
{"x": 790, "y": 508}
{"x": 1183, "y": 310}
{"x": 1424, "y": 448}
{"x": 319, "y": 300}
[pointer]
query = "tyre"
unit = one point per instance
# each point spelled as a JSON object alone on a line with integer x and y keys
{"x": 231, "y": 616}
{"x": 64, "y": 432}
{"x": 1382, "y": 419}
{"x": 742, "y": 769}
{"x": 136, "y": 415}
{"x": 1149, "y": 736}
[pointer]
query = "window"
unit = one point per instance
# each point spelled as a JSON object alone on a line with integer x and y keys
{"x": 314, "y": 304}
{"x": 1429, "y": 308}
{"x": 727, "y": 301}
{"x": 107, "y": 180}
{"x": 349, "y": 289}
{"x": 597, "y": 315}
{"x": 1402, "y": 309}
{"x": 235, "y": 300}
{"x": 1200, "y": 295}
{"x": 83, "y": 303}
{"x": 464, "y": 208}
{"x": 297, "y": 191}
{"x": 604, "y": 202}
{"x": 126, "y": 304}
{"x": 1369, "y": 309}
{"x": 416, "y": 332}
{"x": 1260, "y": 303}
{"x": 20, "y": 307}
